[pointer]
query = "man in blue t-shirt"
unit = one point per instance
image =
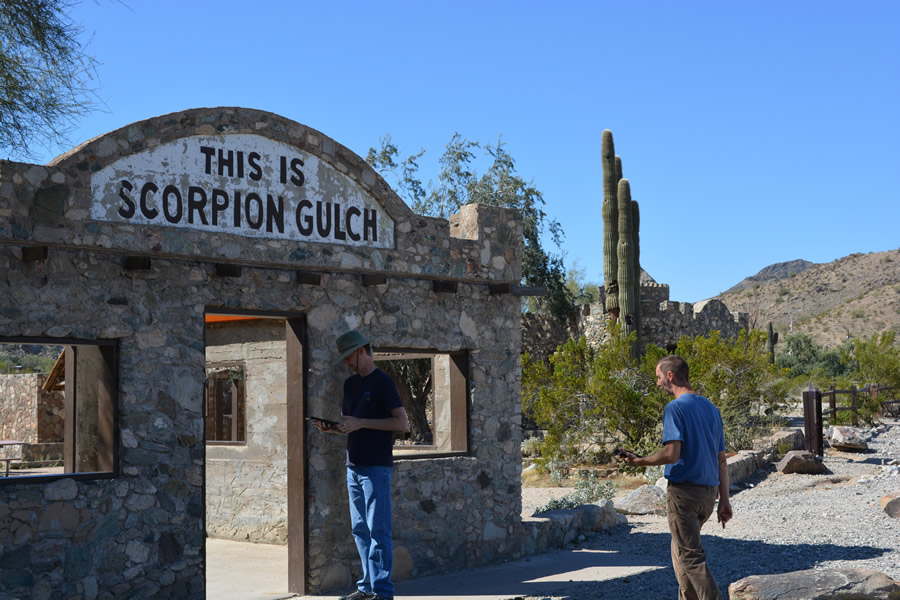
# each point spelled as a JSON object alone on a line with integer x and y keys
{"x": 370, "y": 412}
{"x": 696, "y": 468}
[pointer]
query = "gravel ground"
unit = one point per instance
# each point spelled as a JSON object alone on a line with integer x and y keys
{"x": 781, "y": 523}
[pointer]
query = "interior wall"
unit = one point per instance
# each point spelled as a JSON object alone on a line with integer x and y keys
{"x": 246, "y": 484}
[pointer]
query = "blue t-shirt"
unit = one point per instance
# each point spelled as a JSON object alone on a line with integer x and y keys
{"x": 696, "y": 423}
{"x": 371, "y": 397}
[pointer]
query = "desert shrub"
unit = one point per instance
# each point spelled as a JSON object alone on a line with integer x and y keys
{"x": 587, "y": 491}
{"x": 736, "y": 376}
{"x": 588, "y": 398}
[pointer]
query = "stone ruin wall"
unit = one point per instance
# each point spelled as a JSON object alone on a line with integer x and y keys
{"x": 29, "y": 414}
{"x": 663, "y": 322}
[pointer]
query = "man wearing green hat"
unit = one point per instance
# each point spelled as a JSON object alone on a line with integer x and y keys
{"x": 371, "y": 411}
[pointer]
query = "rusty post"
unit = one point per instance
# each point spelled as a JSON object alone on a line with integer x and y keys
{"x": 832, "y": 402}
{"x": 812, "y": 420}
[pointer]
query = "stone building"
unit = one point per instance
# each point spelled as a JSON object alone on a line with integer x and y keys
{"x": 148, "y": 252}
{"x": 663, "y": 321}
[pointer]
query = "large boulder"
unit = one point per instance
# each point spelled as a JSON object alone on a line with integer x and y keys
{"x": 816, "y": 584}
{"x": 645, "y": 500}
{"x": 842, "y": 437}
{"x": 801, "y": 461}
{"x": 891, "y": 505}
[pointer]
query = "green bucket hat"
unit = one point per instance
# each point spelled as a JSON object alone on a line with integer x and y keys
{"x": 350, "y": 341}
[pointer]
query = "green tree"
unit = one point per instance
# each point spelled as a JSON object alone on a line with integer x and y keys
{"x": 458, "y": 183}
{"x": 582, "y": 290}
{"x": 802, "y": 356}
{"x": 878, "y": 359}
{"x": 44, "y": 72}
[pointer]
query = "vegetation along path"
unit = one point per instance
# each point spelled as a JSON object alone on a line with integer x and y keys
{"x": 781, "y": 523}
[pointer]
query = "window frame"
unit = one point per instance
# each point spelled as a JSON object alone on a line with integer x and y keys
{"x": 239, "y": 403}
{"x": 457, "y": 407}
{"x": 109, "y": 398}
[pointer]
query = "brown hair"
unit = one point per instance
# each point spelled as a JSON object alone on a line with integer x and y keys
{"x": 678, "y": 366}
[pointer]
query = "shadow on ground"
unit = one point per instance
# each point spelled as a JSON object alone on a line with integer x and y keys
{"x": 626, "y": 564}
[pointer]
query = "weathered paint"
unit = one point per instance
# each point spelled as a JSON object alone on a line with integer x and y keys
{"x": 242, "y": 184}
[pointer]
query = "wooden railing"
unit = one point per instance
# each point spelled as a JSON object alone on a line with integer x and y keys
{"x": 813, "y": 414}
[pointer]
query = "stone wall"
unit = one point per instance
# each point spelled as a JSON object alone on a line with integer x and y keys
{"x": 663, "y": 322}
{"x": 18, "y": 407}
{"x": 246, "y": 483}
{"x": 29, "y": 414}
{"x": 73, "y": 268}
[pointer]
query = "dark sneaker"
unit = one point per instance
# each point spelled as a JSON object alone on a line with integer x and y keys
{"x": 358, "y": 595}
{"x": 377, "y": 597}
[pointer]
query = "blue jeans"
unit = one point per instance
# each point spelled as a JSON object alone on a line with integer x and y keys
{"x": 370, "y": 514}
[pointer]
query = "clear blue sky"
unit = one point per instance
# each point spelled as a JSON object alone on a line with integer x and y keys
{"x": 751, "y": 132}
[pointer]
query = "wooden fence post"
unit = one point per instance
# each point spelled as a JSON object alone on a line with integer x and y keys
{"x": 812, "y": 420}
{"x": 832, "y": 402}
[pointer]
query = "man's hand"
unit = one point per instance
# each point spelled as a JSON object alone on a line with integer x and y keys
{"x": 350, "y": 424}
{"x": 627, "y": 456}
{"x": 723, "y": 513}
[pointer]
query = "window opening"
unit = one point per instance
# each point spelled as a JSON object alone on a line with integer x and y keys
{"x": 433, "y": 387}
{"x": 226, "y": 408}
{"x": 57, "y": 408}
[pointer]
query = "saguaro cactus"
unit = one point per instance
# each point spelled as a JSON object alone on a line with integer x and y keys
{"x": 610, "y": 212}
{"x": 770, "y": 343}
{"x": 627, "y": 299}
{"x": 636, "y": 256}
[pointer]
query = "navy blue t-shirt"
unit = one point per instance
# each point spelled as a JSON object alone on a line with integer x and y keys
{"x": 371, "y": 397}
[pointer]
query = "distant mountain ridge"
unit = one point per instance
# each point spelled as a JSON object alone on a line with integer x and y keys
{"x": 781, "y": 270}
{"x": 855, "y": 296}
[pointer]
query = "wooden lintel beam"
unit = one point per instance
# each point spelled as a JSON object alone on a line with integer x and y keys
{"x": 500, "y": 288}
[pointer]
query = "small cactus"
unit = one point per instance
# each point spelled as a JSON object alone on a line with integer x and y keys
{"x": 770, "y": 343}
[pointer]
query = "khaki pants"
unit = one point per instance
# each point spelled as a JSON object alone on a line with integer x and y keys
{"x": 688, "y": 508}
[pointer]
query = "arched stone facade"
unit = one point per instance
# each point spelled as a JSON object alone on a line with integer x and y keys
{"x": 127, "y": 243}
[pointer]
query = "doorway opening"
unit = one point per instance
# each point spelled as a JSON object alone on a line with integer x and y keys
{"x": 255, "y": 459}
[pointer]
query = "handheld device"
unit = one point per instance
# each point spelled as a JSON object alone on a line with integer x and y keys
{"x": 622, "y": 452}
{"x": 325, "y": 422}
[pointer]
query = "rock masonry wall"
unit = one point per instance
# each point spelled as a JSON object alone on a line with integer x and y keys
{"x": 663, "y": 322}
{"x": 139, "y": 532}
{"x": 29, "y": 414}
{"x": 246, "y": 483}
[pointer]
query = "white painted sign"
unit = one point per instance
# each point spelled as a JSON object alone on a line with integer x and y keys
{"x": 241, "y": 184}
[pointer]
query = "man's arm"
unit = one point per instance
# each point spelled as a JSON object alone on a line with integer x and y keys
{"x": 669, "y": 454}
{"x": 723, "y": 512}
{"x": 398, "y": 421}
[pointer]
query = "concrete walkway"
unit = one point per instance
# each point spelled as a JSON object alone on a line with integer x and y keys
{"x": 241, "y": 571}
